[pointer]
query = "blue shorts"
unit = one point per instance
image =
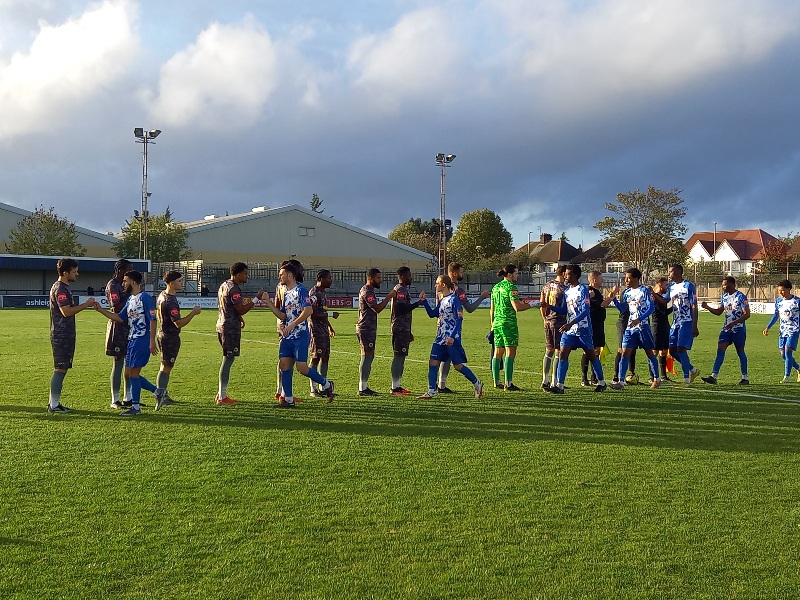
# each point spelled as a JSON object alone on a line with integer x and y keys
{"x": 138, "y": 353}
{"x": 454, "y": 353}
{"x": 296, "y": 348}
{"x": 788, "y": 341}
{"x": 570, "y": 340}
{"x": 682, "y": 336}
{"x": 735, "y": 337}
{"x": 639, "y": 338}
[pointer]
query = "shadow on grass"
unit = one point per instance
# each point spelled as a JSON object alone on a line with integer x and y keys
{"x": 726, "y": 423}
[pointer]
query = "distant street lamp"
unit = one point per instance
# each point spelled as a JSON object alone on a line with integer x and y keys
{"x": 581, "y": 228}
{"x": 443, "y": 160}
{"x": 146, "y": 138}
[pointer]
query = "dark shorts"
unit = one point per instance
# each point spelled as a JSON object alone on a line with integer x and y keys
{"x": 230, "y": 342}
{"x": 401, "y": 341}
{"x": 552, "y": 335}
{"x": 599, "y": 334}
{"x": 367, "y": 339}
{"x": 63, "y": 353}
{"x": 661, "y": 337}
{"x": 320, "y": 345}
{"x": 116, "y": 339}
{"x": 454, "y": 353}
{"x": 169, "y": 345}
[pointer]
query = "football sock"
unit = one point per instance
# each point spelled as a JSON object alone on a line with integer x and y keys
{"x": 585, "y": 366}
{"x": 598, "y": 371}
{"x": 56, "y": 385}
{"x": 632, "y": 362}
{"x": 314, "y": 376}
{"x": 314, "y": 364}
{"x": 508, "y": 363}
{"x": 496, "y": 369}
{"x": 444, "y": 371}
{"x": 116, "y": 379}
{"x": 467, "y": 372}
{"x": 136, "y": 391}
{"x": 432, "y": 372}
{"x": 364, "y": 369}
{"x": 225, "y": 375}
{"x": 790, "y": 361}
{"x": 286, "y": 383}
{"x": 662, "y": 362}
{"x": 547, "y": 362}
{"x": 743, "y": 362}
{"x": 718, "y": 362}
{"x": 617, "y": 360}
{"x": 280, "y": 384}
{"x": 556, "y": 360}
{"x": 398, "y": 363}
{"x": 561, "y": 373}
{"x": 623, "y": 368}
{"x": 146, "y": 385}
{"x": 653, "y": 361}
{"x": 162, "y": 379}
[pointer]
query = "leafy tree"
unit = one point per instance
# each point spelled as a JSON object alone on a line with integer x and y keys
{"x": 646, "y": 229}
{"x": 421, "y": 241}
{"x": 776, "y": 257}
{"x": 564, "y": 237}
{"x": 166, "y": 239}
{"x": 417, "y": 225}
{"x": 480, "y": 235}
{"x": 44, "y": 233}
{"x": 316, "y": 203}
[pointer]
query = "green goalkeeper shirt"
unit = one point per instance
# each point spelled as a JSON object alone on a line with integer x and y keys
{"x": 502, "y": 295}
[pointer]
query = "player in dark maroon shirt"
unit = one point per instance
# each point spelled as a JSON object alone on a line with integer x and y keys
{"x": 402, "y": 308}
{"x": 367, "y": 327}
{"x": 62, "y": 329}
{"x": 321, "y": 329}
{"x": 117, "y": 333}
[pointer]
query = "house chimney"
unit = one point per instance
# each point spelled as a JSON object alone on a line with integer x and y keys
{"x": 546, "y": 237}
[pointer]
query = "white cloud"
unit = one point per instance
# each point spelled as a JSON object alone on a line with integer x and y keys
{"x": 616, "y": 47}
{"x": 65, "y": 66}
{"x": 414, "y": 59}
{"x": 225, "y": 77}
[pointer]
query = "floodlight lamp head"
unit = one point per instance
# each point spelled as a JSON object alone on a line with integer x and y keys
{"x": 154, "y": 133}
{"x": 440, "y": 158}
{"x": 450, "y": 158}
{"x": 139, "y": 132}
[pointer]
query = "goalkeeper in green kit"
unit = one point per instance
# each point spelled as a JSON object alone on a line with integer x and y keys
{"x": 503, "y": 312}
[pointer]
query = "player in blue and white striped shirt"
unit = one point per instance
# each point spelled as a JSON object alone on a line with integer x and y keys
{"x": 737, "y": 310}
{"x": 684, "y": 320}
{"x": 787, "y": 309}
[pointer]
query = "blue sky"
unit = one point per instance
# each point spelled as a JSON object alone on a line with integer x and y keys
{"x": 551, "y": 107}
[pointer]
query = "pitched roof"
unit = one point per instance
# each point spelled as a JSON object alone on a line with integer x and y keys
{"x": 596, "y": 253}
{"x": 555, "y": 251}
{"x": 749, "y": 244}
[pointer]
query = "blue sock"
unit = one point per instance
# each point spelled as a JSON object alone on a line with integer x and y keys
{"x": 146, "y": 385}
{"x": 561, "y": 370}
{"x": 466, "y": 372}
{"x": 742, "y": 360}
{"x": 286, "y": 382}
{"x": 433, "y": 371}
{"x": 718, "y": 361}
{"x": 598, "y": 370}
{"x": 623, "y": 368}
{"x": 788, "y": 359}
{"x": 136, "y": 390}
{"x": 683, "y": 358}
{"x": 653, "y": 360}
{"x": 314, "y": 376}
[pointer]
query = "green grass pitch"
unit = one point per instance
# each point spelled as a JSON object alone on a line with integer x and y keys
{"x": 676, "y": 493}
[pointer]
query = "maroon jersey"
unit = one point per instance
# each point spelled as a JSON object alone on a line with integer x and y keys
{"x": 229, "y": 295}
{"x": 62, "y": 329}
{"x": 319, "y": 302}
{"x": 367, "y": 318}
{"x": 168, "y": 311}
{"x": 401, "y": 311}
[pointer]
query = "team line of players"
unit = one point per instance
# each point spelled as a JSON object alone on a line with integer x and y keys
{"x": 574, "y": 316}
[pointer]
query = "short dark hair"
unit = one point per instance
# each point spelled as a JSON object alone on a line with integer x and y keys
{"x": 575, "y": 269}
{"x": 237, "y": 268}
{"x": 290, "y": 267}
{"x": 171, "y": 276}
{"x": 785, "y": 284}
{"x": 730, "y": 279}
{"x": 299, "y": 270}
{"x": 677, "y": 266}
{"x": 561, "y": 269}
{"x": 65, "y": 265}
{"x": 322, "y": 274}
{"x": 445, "y": 279}
{"x": 634, "y": 272}
{"x": 453, "y": 267}
{"x": 403, "y": 271}
{"x": 134, "y": 276}
{"x": 509, "y": 269}
{"x": 123, "y": 265}
{"x": 372, "y": 272}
